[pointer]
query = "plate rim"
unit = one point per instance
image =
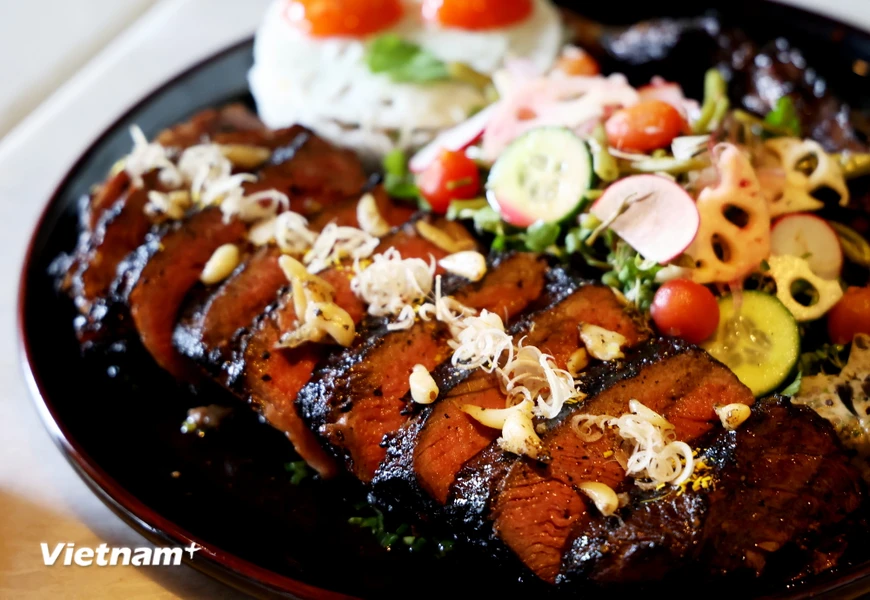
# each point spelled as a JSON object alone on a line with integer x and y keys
{"x": 224, "y": 566}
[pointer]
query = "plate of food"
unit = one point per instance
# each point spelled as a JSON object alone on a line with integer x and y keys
{"x": 494, "y": 297}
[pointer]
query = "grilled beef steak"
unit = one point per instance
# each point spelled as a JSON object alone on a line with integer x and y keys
{"x": 780, "y": 482}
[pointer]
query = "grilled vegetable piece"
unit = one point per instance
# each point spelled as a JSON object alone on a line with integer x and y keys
{"x": 535, "y": 505}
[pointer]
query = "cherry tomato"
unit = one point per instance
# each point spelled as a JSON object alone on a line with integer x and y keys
{"x": 850, "y": 316}
{"x": 685, "y": 309}
{"x": 452, "y": 176}
{"x": 646, "y": 126}
{"x": 354, "y": 18}
{"x": 477, "y": 14}
{"x": 576, "y": 61}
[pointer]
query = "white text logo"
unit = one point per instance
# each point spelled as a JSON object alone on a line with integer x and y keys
{"x": 103, "y": 556}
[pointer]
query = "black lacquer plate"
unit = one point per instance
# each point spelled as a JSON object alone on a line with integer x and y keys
{"x": 117, "y": 417}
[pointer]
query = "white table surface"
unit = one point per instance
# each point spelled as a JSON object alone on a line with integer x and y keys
{"x": 62, "y": 52}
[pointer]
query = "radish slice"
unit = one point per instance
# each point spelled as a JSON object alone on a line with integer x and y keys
{"x": 660, "y": 224}
{"x": 809, "y": 237}
{"x": 454, "y": 139}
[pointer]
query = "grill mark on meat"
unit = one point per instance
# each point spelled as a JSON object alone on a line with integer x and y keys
{"x": 271, "y": 378}
{"x": 171, "y": 265}
{"x": 426, "y": 455}
{"x": 536, "y": 506}
{"x": 782, "y": 485}
{"x": 361, "y": 396}
{"x": 115, "y": 224}
{"x": 213, "y": 316}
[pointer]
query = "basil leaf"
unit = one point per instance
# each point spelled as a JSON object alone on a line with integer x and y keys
{"x": 404, "y": 61}
{"x": 784, "y": 116}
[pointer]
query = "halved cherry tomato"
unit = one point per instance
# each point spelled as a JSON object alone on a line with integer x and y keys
{"x": 576, "y": 61}
{"x": 452, "y": 176}
{"x": 685, "y": 309}
{"x": 354, "y": 18}
{"x": 646, "y": 126}
{"x": 477, "y": 14}
{"x": 850, "y": 316}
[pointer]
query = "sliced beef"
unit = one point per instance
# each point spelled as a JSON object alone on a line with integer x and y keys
{"x": 535, "y": 506}
{"x": 361, "y": 395}
{"x": 780, "y": 490}
{"x": 163, "y": 271}
{"x": 318, "y": 178}
{"x": 214, "y": 315}
{"x": 271, "y": 378}
{"x": 427, "y": 453}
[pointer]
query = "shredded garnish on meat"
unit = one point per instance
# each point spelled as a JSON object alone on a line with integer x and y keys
{"x": 656, "y": 457}
{"x": 148, "y": 156}
{"x": 481, "y": 343}
{"x": 336, "y": 243}
{"x": 207, "y": 171}
{"x": 533, "y": 375}
{"x": 446, "y": 309}
{"x": 392, "y": 285}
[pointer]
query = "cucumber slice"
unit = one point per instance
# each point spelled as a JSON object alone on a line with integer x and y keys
{"x": 542, "y": 176}
{"x": 761, "y": 343}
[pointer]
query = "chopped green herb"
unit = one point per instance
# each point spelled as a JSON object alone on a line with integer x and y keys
{"x": 784, "y": 116}
{"x": 541, "y": 235}
{"x": 715, "y": 104}
{"x": 298, "y": 470}
{"x": 404, "y": 61}
{"x": 633, "y": 275}
{"x": 829, "y": 359}
{"x": 398, "y": 180}
{"x": 404, "y": 533}
{"x": 794, "y": 387}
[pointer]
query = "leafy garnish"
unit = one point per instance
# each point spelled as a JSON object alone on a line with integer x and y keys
{"x": 403, "y": 536}
{"x": 633, "y": 275}
{"x": 784, "y": 116}
{"x": 403, "y": 61}
{"x": 540, "y": 236}
{"x": 794, "y": 387}
{"x": 829, "y": 359}
{"x": 398, "y": 180}
{"x": 299, "y": 471}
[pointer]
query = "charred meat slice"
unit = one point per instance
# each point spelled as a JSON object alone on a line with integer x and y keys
{"x": 536, "y": 506}
{"x": 271, "y": 378}
{"x": 162, "y": 273}
{"x": 213, "y": 316}
{"x": 779, "y": 484}
{"x": 360, "y": 397}
{"x": 428, "y": 452}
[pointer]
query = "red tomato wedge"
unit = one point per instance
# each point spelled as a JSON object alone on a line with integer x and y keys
{"x": 661, "y": 220}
